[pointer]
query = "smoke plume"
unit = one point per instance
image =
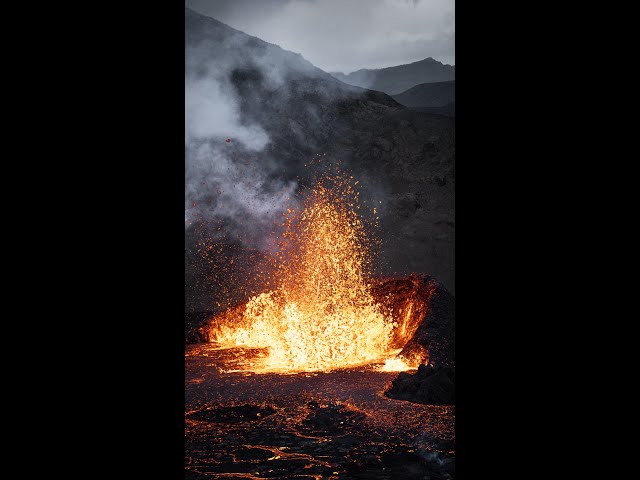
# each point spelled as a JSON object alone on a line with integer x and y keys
{"x": 230, "y": 179}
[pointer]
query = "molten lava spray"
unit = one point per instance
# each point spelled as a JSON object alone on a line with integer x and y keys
{"x": 322, "y": 315}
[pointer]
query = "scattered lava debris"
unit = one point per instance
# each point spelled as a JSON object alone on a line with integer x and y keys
{"x": 235, "y": 414}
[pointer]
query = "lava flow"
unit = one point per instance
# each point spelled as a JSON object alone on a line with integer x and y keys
{"x": 322, "y": 314}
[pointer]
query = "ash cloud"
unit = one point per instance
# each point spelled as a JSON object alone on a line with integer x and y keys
{"x": 278, "y": 111}
{"x": 232, "y": 183}
{"x": 211, "y": 113}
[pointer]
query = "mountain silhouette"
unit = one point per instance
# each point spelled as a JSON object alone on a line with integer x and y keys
{"x": 395, "y": 80}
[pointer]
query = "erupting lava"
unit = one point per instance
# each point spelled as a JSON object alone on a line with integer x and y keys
{"x": 322, "y": 314}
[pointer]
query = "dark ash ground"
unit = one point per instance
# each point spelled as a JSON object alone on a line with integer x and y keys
{"x": 307, "y": 425}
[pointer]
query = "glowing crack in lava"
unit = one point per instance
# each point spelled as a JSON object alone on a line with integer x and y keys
{"x": 322, "y": 314}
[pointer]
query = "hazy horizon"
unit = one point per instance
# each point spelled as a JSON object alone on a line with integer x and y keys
{"x": 345, "y": 35}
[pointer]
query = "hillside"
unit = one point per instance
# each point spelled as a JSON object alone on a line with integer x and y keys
{"x": 436, "y": 94}
{"x": 398, "y": 79}
{"x": 255, "y": 116}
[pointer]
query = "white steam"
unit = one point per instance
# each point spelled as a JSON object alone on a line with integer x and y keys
{"x": 229, "y": 177}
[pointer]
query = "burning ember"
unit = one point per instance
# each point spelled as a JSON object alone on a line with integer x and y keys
{"x": 322, "y": 315}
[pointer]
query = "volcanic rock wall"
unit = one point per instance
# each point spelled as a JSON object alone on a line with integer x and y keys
{"x": 425, "y": 312}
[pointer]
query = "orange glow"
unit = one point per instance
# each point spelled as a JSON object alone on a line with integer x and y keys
{"x": 395, "y": 365}
{"x": 322, "y": 315}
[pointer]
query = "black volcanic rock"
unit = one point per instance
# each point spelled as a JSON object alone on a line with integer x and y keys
{"x": 332, "y": 419}
{"x": 432, "y": 322}
{"x": 395, "y": 80}
{"x": 436, "y": 94}
{"x": 193, "y": 331}
{"x": 429, "y": 385}
{"x": 436, "y": 333}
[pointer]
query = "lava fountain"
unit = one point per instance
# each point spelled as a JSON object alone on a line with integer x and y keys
{"x": 322, "y": 314}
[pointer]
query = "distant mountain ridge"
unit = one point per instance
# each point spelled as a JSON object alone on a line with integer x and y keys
{"x": 448, "y": 110}
{"x": 436, "y": 94}
{"x": 395, "y": 80}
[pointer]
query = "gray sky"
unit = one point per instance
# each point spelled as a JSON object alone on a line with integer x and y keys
{"x": 345, "y": 35}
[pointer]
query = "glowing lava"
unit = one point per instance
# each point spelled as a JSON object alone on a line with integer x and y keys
{"x": 322, "y": 315}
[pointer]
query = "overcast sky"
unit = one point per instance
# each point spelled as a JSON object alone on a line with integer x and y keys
{"x": 345, "y": 35}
